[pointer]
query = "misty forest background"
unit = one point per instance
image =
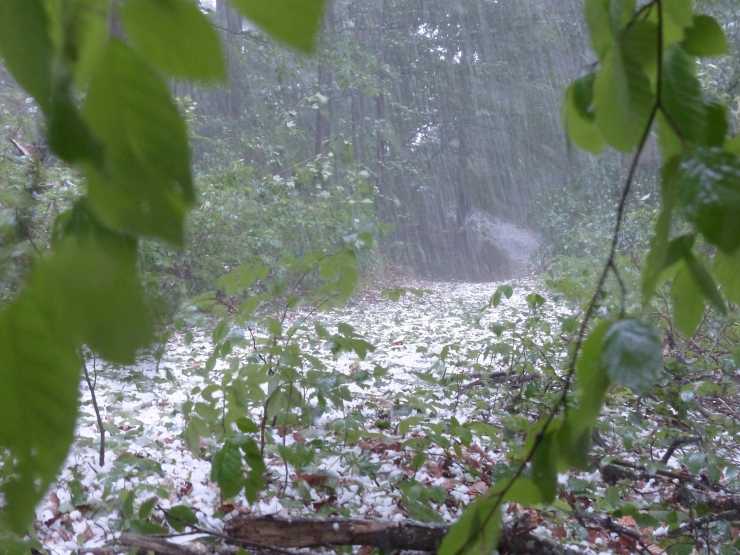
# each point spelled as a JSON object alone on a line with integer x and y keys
{"x": 425, "y": 140}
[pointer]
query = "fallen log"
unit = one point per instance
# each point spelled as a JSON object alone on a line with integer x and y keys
{"x": 700, "y": 523}
{"x": 388, "y": 536}
{"x": 149, "y": 544}
{"x": 304, "y": 532}
{"x": 715, "y": 502}
{"x": 617, "y": 470}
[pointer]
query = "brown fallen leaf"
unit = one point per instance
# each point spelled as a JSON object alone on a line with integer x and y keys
{"x": 227, "y": 508}
{"x": 559, "y": 532}
{"x": 185, "y": 489}
{"x": 627, "y": 521}
{"x": 54, "y": 502}
{"x": 86, "y": 535}
{"x": 313, "y": 480}
{"x": 479, "y": 488}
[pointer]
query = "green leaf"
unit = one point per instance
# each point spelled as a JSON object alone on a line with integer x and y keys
{"x": 544, "y": 467}
{"x": 340, "y": 274}
{"x": 578, "y": 116}
{"x": 709, "y": 192}
{"x": 255, "y": 479}
{"x": 535, "y": 300}
{"x": 622, "y": 99}
{"x": 733, "y": 145}
{"x": 145, "y": 186}
{"x": 717, "y": 125}
{"x": 684, "y": 111}
{"x": 639, "y": 45}
{"x": 679, "y": 248}
{"x": 195, "y": 429}
{"x": 727, "y": 271}
{"x": 69, "y": 136}
{"x": 498, "y": 295}
{"x": 592, "y": 379}
{"x": 605, "y": 19}
{"x": 681, "y": 12}
{"x": 226, "y": 470}
{"x": 632, "y": 355}
{"x": 682, "y": 96}
{"x": 705, "y": 282}
{"x": 394, "y": 294}
{"x": 147, "y": 527}
{"x": 416, "y": 500}
{"x": 85, "y": 24}
{"x": 688, "y": 302}
{"x": 477, "y": 531}
{"x": 175, "y": 36}
{"x": 621, "y": 13}
{"x": 92, "y": 277}
{"x": 656, "y": 259}
{"x": 246, "y": 425}
{"x": 11, "y": 544}
{"x": 668, "y": 140}
{"x": 294, "y": 22}
{"x": 705, "y": 37}
{"x": 242, "y": 278}
{"x": 597, "y": 17}
{"x": 26, "y": 46}
{"x": 39, "y": 372}
{"x": 574, "y": 442}
{"x": 407, "y": 423}
{"x": 180, "y": 517}
{"x": 146, "y": 508}
{"x": 524, "y": 491}
{"x": 127, "y": 504}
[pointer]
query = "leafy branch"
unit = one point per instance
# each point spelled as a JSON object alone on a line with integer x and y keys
{"x": 625, "y": 351}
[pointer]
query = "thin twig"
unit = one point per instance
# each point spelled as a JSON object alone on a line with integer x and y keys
{"x": 678, "y": 442}
{"x": 101, "y": 429}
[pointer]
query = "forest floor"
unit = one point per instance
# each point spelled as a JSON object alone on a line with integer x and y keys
{"x": 423, "y": 434}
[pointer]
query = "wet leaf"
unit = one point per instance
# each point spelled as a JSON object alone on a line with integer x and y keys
{"x": 727, "y": 270}
{"x": 295, "y": 22}
{"x": 688, "y": 302}
{"x": 26, "y": 47}
{"x": 709, "y": 193}
{"x": 622, "y": 99}
{"x": 682, "y": 96}
{"x": 578, "y": 115}
{"x": 180, "y": 517}
{"x": 40, "y": 371}
{"x": 175, "y": 36}
{"x": 145, "y": 186}
{"x": 632, "y": 355}
{"x": 476, "y": 531}
{"x": 705, "y": 37}
{"x": 226, "y": 470}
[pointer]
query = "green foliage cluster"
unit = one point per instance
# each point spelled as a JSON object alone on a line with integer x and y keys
{"x": 287, "y": 387}
{"x": 243, "y": 215}
{"x": 109, "y": 113}
{"x": 646, "y": 76}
